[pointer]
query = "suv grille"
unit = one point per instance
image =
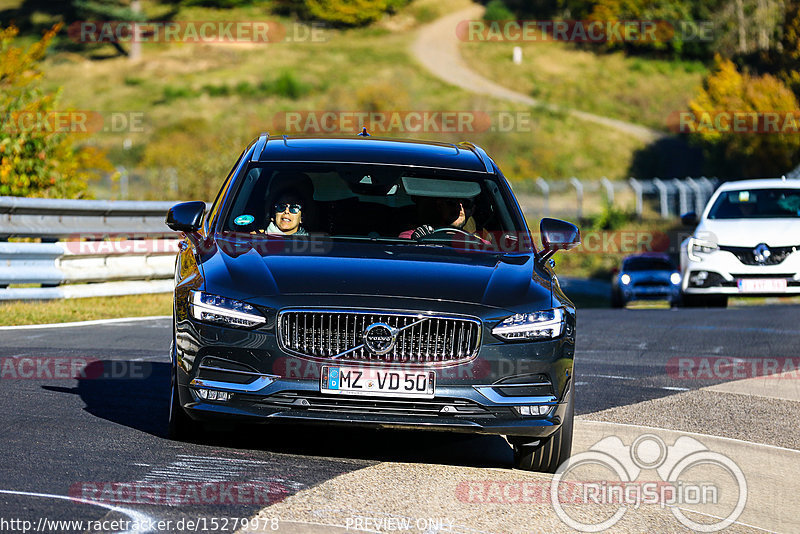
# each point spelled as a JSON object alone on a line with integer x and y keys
{"x": 339, "y": 335}
{"x": 747, "y": 257}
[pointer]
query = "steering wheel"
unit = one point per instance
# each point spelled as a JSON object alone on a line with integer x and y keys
{"x": 448, "y": 231}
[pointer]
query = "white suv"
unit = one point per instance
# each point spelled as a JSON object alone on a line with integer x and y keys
{"x": 746, "y": 243}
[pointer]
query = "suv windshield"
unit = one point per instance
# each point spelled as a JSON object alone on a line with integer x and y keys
{"x": 370, "y": 202}
{"x": 757, "y": 204}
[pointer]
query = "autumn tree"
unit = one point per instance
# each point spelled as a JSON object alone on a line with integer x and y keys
{"x": 37, "y": 156}
{"x": 766, "y": 141}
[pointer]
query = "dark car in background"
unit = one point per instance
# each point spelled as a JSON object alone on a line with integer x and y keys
{"x": 647, "y": 276}
{"x": 411, "y": 296}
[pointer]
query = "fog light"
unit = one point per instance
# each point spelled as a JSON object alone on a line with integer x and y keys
{"x": 699, "y": 278}
{"x": 532, "y": 410}
{"x": 210, "y": 394}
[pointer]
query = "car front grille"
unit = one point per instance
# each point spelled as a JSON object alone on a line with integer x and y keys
{"x": 747, "y": 256}
{"x": 339, "y": 335}
{"x": 651, "y": 283}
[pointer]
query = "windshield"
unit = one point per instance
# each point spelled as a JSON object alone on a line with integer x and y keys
{"x": 648, "y": 264}
{"x": 372, "y": 203}
{"x": 757, "y": 204}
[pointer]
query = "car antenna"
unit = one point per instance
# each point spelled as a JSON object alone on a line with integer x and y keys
{"x": 363, "y": 133}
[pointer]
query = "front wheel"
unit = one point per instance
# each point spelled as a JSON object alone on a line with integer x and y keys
{"x": 547, "y": 454}
{"x": 181, "y": 427}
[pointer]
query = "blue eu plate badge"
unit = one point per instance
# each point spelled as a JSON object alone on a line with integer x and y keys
{"x": 333, "y": 378}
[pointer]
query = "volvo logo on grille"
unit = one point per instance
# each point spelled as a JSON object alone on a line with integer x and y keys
{"x": 379, "y": 338}
{"x": 762, "y": 253}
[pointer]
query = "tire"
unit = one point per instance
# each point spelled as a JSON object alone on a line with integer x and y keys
{"x": 616, "y": 300}
{"x": 546, "y": 455}
{"x": 180, "y": 427}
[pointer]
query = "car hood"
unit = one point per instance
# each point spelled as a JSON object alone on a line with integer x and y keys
{"x": 244, "y": 271}
{"x": 649, "y": 276}
{"x": 750, "y": 232}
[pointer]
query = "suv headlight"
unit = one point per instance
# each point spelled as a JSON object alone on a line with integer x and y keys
{"x": 544, "y": 324}
{"x": 224, "y": 311}
{"x": 700, "y": 246}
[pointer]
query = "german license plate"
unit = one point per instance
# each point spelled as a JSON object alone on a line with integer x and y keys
{"x": 379, "y": 382}
{"x": 759, "y": 285}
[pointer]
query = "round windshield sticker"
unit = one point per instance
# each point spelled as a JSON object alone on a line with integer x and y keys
{"x": 243, "y": 220}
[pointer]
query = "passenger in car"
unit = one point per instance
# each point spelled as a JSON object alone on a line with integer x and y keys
{"x": 440, "y": 213}
{"x": 287, "y": 215}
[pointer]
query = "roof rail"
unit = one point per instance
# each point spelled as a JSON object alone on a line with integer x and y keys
{"x": 261, "y": 145}
{"x": 482, "y": 155}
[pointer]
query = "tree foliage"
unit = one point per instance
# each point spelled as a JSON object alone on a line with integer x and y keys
{"x": 343, "y": 12}
{"x": 37, "y": 159}
{"x": 753, "y": 148}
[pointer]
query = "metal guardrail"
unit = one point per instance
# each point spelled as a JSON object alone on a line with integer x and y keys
{"x": 88, "y": 248}
{"x": 63, "y": 218}
{"x": 106, "y": 248}
{"x": 673, "y": 197}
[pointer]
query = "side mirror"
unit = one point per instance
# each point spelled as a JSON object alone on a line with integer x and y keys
{"x": 689, "y": 219}
{"x": 558, "y": 235}
{"x": 186, "y": 216}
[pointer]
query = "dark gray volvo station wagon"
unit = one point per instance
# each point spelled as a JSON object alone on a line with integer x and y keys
{"x": 373, "y": 282}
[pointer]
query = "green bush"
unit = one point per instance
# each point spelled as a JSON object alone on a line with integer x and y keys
{"x": 35, "y": 159}
{"x": 171, "y": 93}
{"x": 497, "y": 10}
{"x": 342, "y": 12}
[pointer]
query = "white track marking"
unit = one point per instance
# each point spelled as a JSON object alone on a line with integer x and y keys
{"x": 86, "y": 323}
{"x": 136, "y": 517}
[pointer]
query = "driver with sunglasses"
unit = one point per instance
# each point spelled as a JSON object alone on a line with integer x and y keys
{"x": 287, "y": 216}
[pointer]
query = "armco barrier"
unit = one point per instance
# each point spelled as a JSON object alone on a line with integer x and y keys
{"x": 107, "y": 247}
{"x": 88, "y": 248}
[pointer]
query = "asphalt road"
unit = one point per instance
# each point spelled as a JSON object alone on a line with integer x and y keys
{"x": 63, "y": 437}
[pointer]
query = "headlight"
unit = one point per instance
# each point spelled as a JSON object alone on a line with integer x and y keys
{"x": 545, "y": 324}
{"x": 625, "y": 279}
{"x": 675, "y": 278}
{"x": 224, "y": 311}
{"x": 699, "y": 246}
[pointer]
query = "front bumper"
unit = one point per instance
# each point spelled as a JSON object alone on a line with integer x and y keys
{"x": 301, "y": 402}
{"x": 663, "y": 292}
{"x": 273, "y": 386}
{"x": 724, "y": 270}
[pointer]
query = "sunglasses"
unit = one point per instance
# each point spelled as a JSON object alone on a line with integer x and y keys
{"x": 293, "y": 208}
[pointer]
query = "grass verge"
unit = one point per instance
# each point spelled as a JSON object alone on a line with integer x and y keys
{"x": 637, "y": 89}
{"x": 64, "y": 311}
{"x": 202, "y": 103}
